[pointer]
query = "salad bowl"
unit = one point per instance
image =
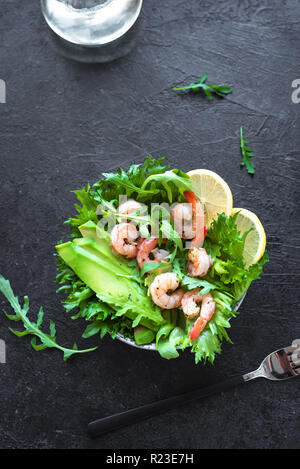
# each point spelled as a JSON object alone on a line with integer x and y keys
{"x": 107, "y": 266}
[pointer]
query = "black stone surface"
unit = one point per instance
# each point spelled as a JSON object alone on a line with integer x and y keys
{"x": 63, "y": 124}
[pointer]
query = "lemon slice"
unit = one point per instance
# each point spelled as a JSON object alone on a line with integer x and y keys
{"x": 213, "y": 192}
{"x": 255, "y": 243}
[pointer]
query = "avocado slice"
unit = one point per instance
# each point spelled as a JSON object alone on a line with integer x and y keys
{"x": 96, "y": 272}
{"x": 98, "y": 250}
{"x": 102, "y": 243}
{"x": 102, "y": 275}
{"x": 91, "y": 230}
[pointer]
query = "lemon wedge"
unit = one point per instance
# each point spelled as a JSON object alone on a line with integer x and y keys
{"x": 213, "y": 192}
{"x": 255, "y": 243}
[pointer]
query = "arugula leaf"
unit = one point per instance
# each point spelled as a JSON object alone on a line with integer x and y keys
{"x": 247, "y": 153}
{"x": 95, "y": 309}
{"x": 122, "y": 179}
{"x": 195, "y": 87}
{"x": 104, "y": 320}
{"x": 174, "y": 182}
{"x": 139, "y": 173}
{"x": 129, "y": 183}
{"x": 192, "y": 282}
{"x": 85, "y": 212}
{"x": 33, "y": 328}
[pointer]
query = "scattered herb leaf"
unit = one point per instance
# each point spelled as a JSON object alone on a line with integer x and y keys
{"x": 32, "y": 328}
{"x": 247, "y": 153}
{"x": 195, "y": 87}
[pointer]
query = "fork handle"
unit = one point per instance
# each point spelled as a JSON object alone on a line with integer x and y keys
{"x": 116, "y": 421}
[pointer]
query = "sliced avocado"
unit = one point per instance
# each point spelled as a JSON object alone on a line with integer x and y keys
{"x": 98, "y": 273}
{"x": 101, "y": 237}
{"x": 91, "y": 230}
{"x": 107, "y": 279}
{"x": 98, "y": 234}
{"x": 103, "y": 251}
{"x": 143, "y": 335}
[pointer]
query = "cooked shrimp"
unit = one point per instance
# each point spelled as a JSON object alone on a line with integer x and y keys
{"x": 161, "y": 289}
{"x": 198, "y": 262}
{"x": 145, "y": 247}
{"x": 198, "y": 223}
{"x": 160, "y": 255}
{"x": 128, "y": 207}
{"x": 123, "y": 239}
{"x": 191, "y": 310}
{"x": 182, "y": 215}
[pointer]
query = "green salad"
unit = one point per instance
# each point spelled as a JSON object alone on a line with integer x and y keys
{"x": 128, "y": 270}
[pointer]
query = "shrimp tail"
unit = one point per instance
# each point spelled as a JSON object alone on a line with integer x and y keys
{"x": 197, "y": 328}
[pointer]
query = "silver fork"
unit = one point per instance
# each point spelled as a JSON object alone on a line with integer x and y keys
{"x": 278, "y": 366}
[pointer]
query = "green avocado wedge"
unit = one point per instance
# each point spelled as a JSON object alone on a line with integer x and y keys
{"x": 111, "y": 282}
{"x": 102, "y": 246}
{"x": 97, "y": 233}
{"x": 88, "y": 244}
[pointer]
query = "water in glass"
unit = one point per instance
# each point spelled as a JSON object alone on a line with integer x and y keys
{"x": 91, "y": 22}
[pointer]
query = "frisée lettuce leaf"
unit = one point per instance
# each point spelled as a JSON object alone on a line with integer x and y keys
{"x": 225, "y": 244}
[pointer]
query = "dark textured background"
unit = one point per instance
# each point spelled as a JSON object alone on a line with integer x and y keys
{"x": 63, "y": 124}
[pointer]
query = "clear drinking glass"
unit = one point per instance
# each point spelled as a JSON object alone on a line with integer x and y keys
{"x": 91, "y": 22}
